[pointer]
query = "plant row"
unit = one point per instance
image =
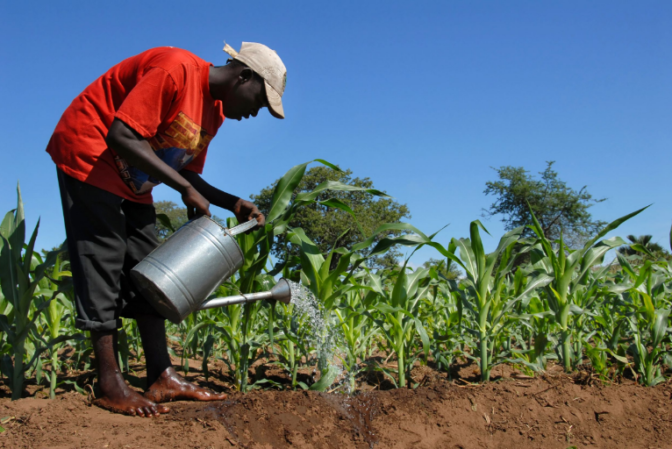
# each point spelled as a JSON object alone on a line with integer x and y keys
{"x": 529, "y": 301}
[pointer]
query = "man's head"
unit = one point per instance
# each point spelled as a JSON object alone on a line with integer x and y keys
{"x": 245, "y": 94}
{"x": 260, "y": 78}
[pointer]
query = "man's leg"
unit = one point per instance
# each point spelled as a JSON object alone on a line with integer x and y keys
{"x": 164, "y": 383}
{"x": 116, "y": 395}
{"x": 96, "y": 244}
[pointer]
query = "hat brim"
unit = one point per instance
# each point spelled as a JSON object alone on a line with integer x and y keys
{"x": 274, "y": 102}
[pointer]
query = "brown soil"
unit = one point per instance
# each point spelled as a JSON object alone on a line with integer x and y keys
{"x": 554, "y": 411}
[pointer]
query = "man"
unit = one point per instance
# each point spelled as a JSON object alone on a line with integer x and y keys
{"x": 148, "y": 120}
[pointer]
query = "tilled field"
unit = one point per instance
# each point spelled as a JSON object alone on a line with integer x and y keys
{"x": 548, "y": 412}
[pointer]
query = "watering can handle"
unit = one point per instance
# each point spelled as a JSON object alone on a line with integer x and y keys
{"x": 244, "y": 227}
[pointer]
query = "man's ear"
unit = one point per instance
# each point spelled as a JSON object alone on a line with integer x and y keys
{"x": 245, "y": 75}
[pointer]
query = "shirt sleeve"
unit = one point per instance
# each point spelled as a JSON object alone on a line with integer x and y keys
{"x": 148, "y": 103}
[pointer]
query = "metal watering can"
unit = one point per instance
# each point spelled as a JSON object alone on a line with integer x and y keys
{"x": 178, "y": 276}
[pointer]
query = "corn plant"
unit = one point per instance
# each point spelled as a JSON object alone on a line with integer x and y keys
{"x": 583, "y": 311}
{"x": 396, "y": 313}
{"x": 647, "y": 302}
{"x": 481, "y": 292}
{"x": 240, "y": 341}
{"x": 569, "y": 271}
{"x": 444, "y": 319}
{"x": 301, "y": 345}
{"x": 55, "y": 289}
{"x": 649, "y": 328}
{"x": 288, "y": 340}
{"x": 536, "y": 320}
{"x": 357, "y": 328}
{"x": 19, "y": 287}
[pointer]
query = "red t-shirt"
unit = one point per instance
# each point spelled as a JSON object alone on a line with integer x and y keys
{"x": 164, "y": 95}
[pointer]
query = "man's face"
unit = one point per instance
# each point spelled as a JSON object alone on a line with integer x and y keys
{"x": 247, "y": 96}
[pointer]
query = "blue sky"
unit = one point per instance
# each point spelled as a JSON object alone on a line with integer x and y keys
{"x": 422, "y": 97}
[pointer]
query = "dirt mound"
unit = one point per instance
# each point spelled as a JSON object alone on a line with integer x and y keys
{"x": 520, "y": 413}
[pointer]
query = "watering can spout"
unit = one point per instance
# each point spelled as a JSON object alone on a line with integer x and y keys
{"x": 280, "y": 292}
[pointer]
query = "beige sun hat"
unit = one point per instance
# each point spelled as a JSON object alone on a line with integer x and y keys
{"x": 269, "y": 66}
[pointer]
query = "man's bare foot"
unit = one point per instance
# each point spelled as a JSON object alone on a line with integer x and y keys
{"x": 119, "y": 398}
{"x": 170, "y": 386}
{"x": 116, "y": 395}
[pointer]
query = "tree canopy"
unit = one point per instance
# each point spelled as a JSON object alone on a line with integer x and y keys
{"x": 558, "y": 207}
{"x": 331, "y": 228}
{"x": 177, "y": 216}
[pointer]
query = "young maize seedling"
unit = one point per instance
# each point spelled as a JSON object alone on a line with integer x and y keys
{"x": 569, "y": 271}
{"x": 481, "y": 292}
{"x": 19, "y": 280}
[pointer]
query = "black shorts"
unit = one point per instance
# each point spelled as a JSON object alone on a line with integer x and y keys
{"x": 107, "y": 236}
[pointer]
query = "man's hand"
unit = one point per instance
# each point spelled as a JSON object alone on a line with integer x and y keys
{"x": 246, "y": 211}
{"x": 195, "y": 202}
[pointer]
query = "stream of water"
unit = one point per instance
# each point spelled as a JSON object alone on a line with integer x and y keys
{"x": 324, "y": 336}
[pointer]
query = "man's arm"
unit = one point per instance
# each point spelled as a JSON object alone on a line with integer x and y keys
{"x": 244, "y": 210}
{"x": 136, "y": 151}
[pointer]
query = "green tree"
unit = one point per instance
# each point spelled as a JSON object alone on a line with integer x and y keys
{"x": 559, "y": 208}
{"x": 332, "y": 228}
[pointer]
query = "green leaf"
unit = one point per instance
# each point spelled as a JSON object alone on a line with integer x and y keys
{"x": 536, "y": 227}
{"x": 28, "y": 255}
{"x": 7, "y": 226}
{"x": 79, "y": 389}
{"x": 165, "y": 220}
{"x": 336, "y": 186}
{"x": 659, "y": 327}
{"x": 327, "y": 378}
{"x": 8, "y": 369}
{"x": 423, "y": 336}
{"x": 621, "y": 359}
{"x": 389, "y": 227}
{"x": 284, "y": 190}
{"x": 20, "y": 215}
{"x": 641, "y": 248}
{"x": 477, "y": 246}
{"x": 399, "y": 293}
{"x": 387, "y": 309}
{"x": 539, "y": 281}
{"x": 6, "y": 328}
{"x": 611, "y": 226}
{"x": 625, "y": 265}
{"x": 8, "y": 273}
{"x": 207, "y": 351}
{"x": 298, "y": 237}
{"x": 467, "y": 257}
{"x": 385, "y": 244}
{"x": 329, "y": 164}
